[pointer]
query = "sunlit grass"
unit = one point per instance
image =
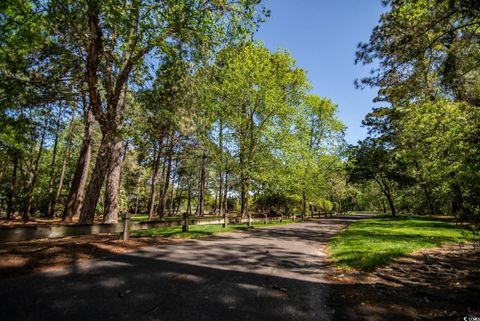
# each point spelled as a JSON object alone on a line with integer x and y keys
{"x": 140, "y": 218}
{"x": 196, "y": 231}
{"x": 375, "y": 242}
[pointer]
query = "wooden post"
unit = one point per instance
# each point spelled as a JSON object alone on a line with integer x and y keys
{"x": 126, "y": 227}
{"x": 266, "y": 219}
{"x": 225, "y": 219}
{"x": 185, "y": 227}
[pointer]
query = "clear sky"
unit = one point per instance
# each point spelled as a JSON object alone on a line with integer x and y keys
{"x": 322, "y": 35}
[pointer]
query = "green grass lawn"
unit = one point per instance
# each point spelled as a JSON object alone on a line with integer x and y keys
{"x": 374, "y": 242}
{"x": 197, "y": 231}
{"x": 139, "y": 218}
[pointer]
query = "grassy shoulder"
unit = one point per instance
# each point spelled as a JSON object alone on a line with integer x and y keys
{"x": 375, "y": 242}
{"x": 196, "y": 231}
{"x": 141, "y": 218}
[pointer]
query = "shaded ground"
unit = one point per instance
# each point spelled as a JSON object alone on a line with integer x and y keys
{"x": 434, "y": 284}
{"x": 20, "y": 258}
{"x": 277, "y": 273}
{"x": 261, "y": 274}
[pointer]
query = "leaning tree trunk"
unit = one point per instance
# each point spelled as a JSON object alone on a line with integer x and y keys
{"x": 74, "y": 201}
{"x": 389, "y": 197}
{"x": 392, "y": 205}
{"x": 92, "y": 195}
{"x": 388, "y": 194}
{"x": 60, "y": 181}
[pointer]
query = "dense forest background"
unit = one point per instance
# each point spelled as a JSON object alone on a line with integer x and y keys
{"x": 169, "y": 107}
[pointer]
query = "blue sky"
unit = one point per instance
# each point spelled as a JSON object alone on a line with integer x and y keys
{"x": 322, "y": 36}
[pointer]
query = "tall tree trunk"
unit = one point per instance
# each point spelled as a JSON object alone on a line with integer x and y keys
{"x": 172, "y": 199}
{"x": 50, "y": 209}
{"x": 164, "y": 191}
{"x": 304, "y": 204}
{"x": 225, "y": 193}
{"x": 92, "y": 195}
{"x": 136, "y": 200}
{"x": 61, "y": 178}
{"x": 179, "y": 201}
{"x": 76, "y": 193}
{"x": 13, "y": 187}
{"x": 31, "y": 185}
{"x": 457, "y": 199}
{"x": 110, "y": 212}
{"x": 220, "y": 174}
{"x": 189, "y": 198}
{"x": 156, "y": 164}
{"x": 201, "y": 189}
{"x": 243, "y": 189}
{"x": 66, "y": 157}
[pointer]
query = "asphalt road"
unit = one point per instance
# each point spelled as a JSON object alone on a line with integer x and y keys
{"x": 273, "y": 273}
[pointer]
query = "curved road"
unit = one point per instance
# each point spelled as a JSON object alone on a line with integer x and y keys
{"x": 272, "y": 273}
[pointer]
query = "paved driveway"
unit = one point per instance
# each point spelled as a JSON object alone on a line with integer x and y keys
{"x": 263, "y": 274}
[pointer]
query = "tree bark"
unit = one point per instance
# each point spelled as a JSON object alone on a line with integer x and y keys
{"x": 243, "y": 190}
{"x": 13, "y": 186}
{"x": 75, "y": 197}
{"x": 220, "y": 174}
{"x": 66, "y": 156}
{"x": 304, "y": 204}
{"x": 50, "y": 206}
{"x": 201, "y": 189}
{"x": 172, "y": 199}
{"x": 387, "y": 192}
{"x": 31, "y": 185}
{"x": 110, "y": 212}
{"x": 225, "y": 194}
{"x": 156, "y": 164}
{"x": 189, "y": 198}
{"x": 166, "y": 182}
{"x": 92, "y": 195}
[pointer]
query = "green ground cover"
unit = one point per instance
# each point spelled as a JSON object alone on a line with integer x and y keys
{"x": 375, "y": 242}
{"x": 197, "y": 231}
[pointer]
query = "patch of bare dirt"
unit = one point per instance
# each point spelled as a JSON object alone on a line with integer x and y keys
{"x": 433, "y": 284}
{"x": 20, "y": 258}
